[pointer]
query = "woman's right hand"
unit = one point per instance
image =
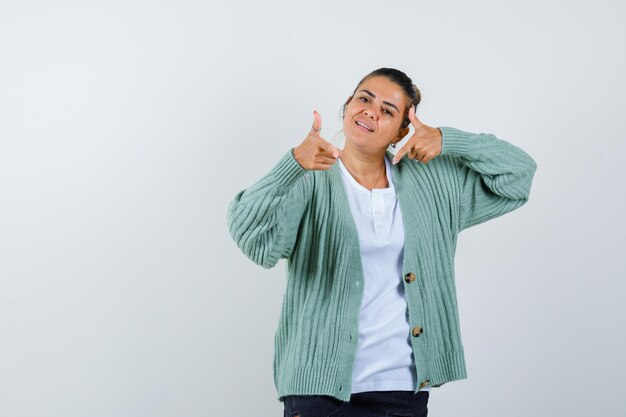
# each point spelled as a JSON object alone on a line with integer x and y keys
{"x": 315, "y": 152}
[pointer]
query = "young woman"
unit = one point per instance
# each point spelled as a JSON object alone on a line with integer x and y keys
{"x": 369, "y": 321}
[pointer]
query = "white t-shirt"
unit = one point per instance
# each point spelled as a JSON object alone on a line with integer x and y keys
{"x": 384, "y": 358}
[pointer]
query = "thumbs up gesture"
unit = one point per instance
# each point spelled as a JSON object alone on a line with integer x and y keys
{"x": 315, "y": 152}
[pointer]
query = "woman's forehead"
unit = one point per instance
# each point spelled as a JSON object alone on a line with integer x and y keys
{"x": 384, "y": 89}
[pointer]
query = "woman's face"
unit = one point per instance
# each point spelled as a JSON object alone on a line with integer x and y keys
{"x": 374, "y": 114}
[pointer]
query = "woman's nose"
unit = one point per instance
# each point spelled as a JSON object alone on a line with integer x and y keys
{"x": 370, "y": 113}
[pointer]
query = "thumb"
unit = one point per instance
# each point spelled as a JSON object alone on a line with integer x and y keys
{"x": 317, "y": 122}
{"x": 414, "y": 120}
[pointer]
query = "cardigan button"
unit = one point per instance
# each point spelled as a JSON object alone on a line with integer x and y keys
{"x": 410, "y": 277}
{"x": 417, "y": 330}
{"x": 424, "y": 384}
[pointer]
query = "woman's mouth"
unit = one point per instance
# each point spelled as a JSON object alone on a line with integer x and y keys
{"x": 363, "y": 126}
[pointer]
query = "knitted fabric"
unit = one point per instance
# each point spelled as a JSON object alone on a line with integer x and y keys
{"x": 304, "y": 216}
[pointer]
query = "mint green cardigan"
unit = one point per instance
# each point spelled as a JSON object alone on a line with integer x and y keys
{"x": 304, "y": 216}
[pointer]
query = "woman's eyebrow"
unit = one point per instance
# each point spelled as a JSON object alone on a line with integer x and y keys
{"x": 385, "y": 102}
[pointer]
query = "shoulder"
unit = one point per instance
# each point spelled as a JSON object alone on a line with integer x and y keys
{"x": 440, "y": 165}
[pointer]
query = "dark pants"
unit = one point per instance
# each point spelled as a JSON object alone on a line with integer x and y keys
{"x": 362, "y": 404}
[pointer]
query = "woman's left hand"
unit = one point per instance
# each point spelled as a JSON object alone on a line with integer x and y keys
{"x": 423, "y": 145}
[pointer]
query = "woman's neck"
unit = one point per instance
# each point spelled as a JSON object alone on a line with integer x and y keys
{"x": 367, "y": 169}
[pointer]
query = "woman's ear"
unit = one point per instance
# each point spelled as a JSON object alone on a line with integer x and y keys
{"x": 403, "y": 133}
{"x": 345, "y": 104}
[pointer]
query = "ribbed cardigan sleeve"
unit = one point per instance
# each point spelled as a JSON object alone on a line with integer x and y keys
{"x": 494, "y": 176}
{"x": 263, "y": 219}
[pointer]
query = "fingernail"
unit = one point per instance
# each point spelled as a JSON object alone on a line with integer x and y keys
{"x": 395, "y": 161}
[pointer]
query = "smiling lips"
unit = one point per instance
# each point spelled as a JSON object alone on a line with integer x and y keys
{"x": 363, "y": 125}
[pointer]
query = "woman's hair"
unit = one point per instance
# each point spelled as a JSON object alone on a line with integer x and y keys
{"x": 402, "y": 80}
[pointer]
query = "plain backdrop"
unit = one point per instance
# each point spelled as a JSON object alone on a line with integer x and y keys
{"x": 126, "y": 127}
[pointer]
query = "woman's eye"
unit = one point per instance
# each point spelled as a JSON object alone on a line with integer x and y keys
{"x": 363, "y": 99}
{"x": 387, "y": 112}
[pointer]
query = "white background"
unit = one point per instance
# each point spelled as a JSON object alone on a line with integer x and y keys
{"x": 126, "y": 127}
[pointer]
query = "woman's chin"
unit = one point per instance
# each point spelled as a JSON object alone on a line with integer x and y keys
{"x": 357, "y": 138}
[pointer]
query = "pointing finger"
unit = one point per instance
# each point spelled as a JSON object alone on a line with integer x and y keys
{"x": 403, "y": 151}
{"x": 331, "y": 149}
